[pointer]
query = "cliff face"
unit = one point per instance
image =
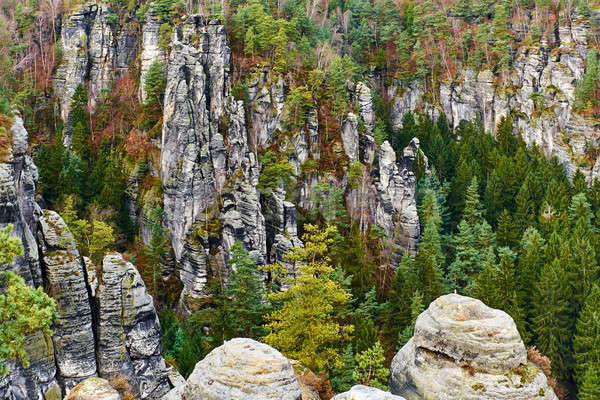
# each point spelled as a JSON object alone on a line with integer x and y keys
{"x": 539, "y": 92}
{"x": 106, "y": 324}
{"x": 95, "y": 50}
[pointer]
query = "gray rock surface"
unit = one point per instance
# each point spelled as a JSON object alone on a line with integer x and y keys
{"x": 361, "y": 392}
{"x": 350, "y": 137}
{"x": 92, "y": 50}
{"x": 463, "y": 349}
{"x": 128, "y": 329}
{"x": 396, "y": 196}
{"x": 150, "y": 50}
{"x": 192, "y": 146}
{"x": 65, "y": 281}
{"x": 243, "y": 369}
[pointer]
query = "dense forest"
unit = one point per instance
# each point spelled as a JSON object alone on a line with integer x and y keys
{"x": 500, "y": 218}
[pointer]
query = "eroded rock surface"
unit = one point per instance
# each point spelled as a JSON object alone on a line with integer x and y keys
{"x": 243, "y": 369}
{"x": 361, "y": 392}
{"x": 93, "y": 389}
{"x": 463, "y": 349}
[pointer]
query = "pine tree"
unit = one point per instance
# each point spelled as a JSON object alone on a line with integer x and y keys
{"x": 552, "y": 320}
{"x": 506, "y": 234}
{"x": 79, "y": 121}
{"x": 586, "y": 343}
{"x": 430, "y": 257}
{"x": 244, "y": 305}
{"x": 370, "y": 368}
{"x": 416, "y": 308}
{"x": 505, "y": 136}
{"x": 397, "y": 310}
{"x": 305, "y": 327}
{"x": 467, "y": 262}
{"x": 531, "y": 261}
{"x": 589, "y": 388}
{"x": 342, "y": 376}
{"x": 473, "y": 212}
{"x": 495, "y": 285}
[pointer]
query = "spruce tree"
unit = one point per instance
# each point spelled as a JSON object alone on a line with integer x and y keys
{"x": 552, "y": 320}
{"x": 244, "y": 306}
{"x": 430, "y": 257}
{"x": 467, "y": 262}
{"x": 589, "y": 388}
{"x": 506, "y": 234}
{"x": 79, "y": 120}
{"x": 342, "y": 376}
{"x": 586, "y": 343}
{"x": 416, "y": 308}
{"x": 473, "y": 212}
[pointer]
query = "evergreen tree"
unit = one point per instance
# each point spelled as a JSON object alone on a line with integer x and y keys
{"x": 589, "y": 389}
{"x": 416, "y": 308}
{"x": 430, "y": 257}
{"x": 79, "y": 121}
{"x": 586, "y": 343}
{"x": 505, "y": 137}
{"x": 506, "y": 234}
{"x": 244, "y": 304}
{"x": 370, "y": 368}
{"x": 473, "y": 212}
{"x": 342, "y": 376}
{"x": 531, "y": 261}
{"x": 305, "y": 327}
{"x": 467, "y": 262}
{"x": 551, "y": 321}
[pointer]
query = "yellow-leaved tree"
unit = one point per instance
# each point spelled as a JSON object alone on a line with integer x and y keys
{"x": 308, "y": 325}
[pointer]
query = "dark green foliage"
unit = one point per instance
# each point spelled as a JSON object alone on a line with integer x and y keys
{"x": 276, "y": 172}
{"x": 586, "y": 343}
{"x": 80, "y": 135}
{"x": 342, "y": 377}
{"x": 589, "y": 389}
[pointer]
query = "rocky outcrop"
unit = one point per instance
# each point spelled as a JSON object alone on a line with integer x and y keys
{"x": 539, "y": 92}
{"x": 193, "y": 153}
{"x": 350, "y": 137}
{"x": 243, "y": 369}
{"x": 93, "y": 49}
{"x": 396, "y": 206}
{"x": 18, "y": 181}
{"x": 128, "y": 338}
{"x": 463, "y": 349}
{"x": 93, "y": 389}
{"x": 360, "y": 392}
{"x": 150, "y": 50}
{"x": 106, "y": 321}
{"x": 266, "y": 94}
{"x": 65, "y": 281}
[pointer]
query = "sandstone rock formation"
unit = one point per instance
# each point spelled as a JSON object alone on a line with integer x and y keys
{"x": 128, "y": 329}
{"x": 106, "y": 323}
{"x": 539, "y": 92}
{"x": 463, "y": 349}
{"x": 361, "y": 392}
{"x": 65, "y": 279}
{"x": 93, "y": 389}
{"x": 396, "y": 190}
{"x": 243, "y": 369}
{"x": 94, "y": 50}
